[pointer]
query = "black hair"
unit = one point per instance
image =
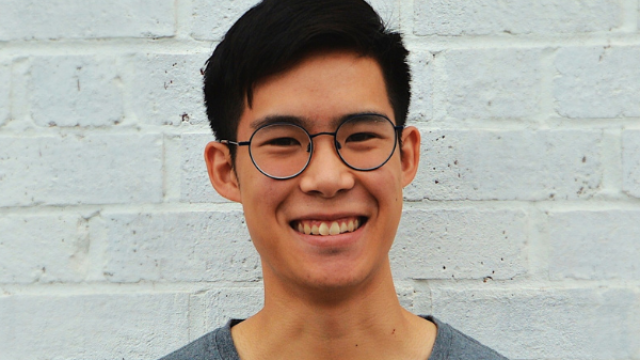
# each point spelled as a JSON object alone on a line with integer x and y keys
{"x": 276, "y": 34}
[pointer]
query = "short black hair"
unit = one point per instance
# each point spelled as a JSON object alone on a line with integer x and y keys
{"x": 276, "y": 34}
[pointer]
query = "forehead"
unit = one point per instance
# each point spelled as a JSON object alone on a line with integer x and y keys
{"x": 320, "y": 91}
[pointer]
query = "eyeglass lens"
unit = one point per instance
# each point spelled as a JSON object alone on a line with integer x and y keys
{"x": 284, "y": 150}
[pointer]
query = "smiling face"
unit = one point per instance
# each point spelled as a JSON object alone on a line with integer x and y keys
{"x": 331, "y": 226}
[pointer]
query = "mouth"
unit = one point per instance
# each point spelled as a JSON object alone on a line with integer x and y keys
{"x": 331, "y": 227}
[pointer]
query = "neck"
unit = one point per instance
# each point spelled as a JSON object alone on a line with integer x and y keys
{"x": 363, "y": 323}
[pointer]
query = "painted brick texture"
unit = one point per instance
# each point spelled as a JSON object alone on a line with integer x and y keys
{"x": 61, "y": 242}
{"x": 81, "y": 169}
{"x": 433, "y": 244}
{"x": 494, "y": 83}
{"x": 75, "y": 91}
{"x": 482, "y": 17}
{"x": 631, "y": 162}
{"x": 598, "y": 82}
{"x": 91, "y": 326}
{"x": 189, "y": 246}
{"x": 168, "y": 88}
{"x": 508, "y": 165}
{"x": 81, "y": 19}
{"x": 595, "y": 244}
{"x": 567, "y": 323}
{"x": 520, "y": 229}
{"x": 5, "y": 91}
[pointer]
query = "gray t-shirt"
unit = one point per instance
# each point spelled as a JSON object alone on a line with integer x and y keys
{"x": 450, "y": 344}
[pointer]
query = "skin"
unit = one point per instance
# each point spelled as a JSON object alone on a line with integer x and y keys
{"x": 325, "y": 297}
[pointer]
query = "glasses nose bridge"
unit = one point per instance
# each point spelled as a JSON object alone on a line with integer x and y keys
{"x": 328, "y": 133}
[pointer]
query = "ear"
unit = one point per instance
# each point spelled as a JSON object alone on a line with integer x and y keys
{"x": 410, "y": 154}
{"x": 221, "y": 173}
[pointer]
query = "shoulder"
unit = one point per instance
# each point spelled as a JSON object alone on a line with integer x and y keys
{"x": 452, "y": 344}
{"x": 216, "y": 345}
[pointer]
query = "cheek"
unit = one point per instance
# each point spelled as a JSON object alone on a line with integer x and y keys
{"x": 386, "y": 188}
{"x": 386, "y": 184}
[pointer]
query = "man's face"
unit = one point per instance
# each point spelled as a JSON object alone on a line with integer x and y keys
{"x": 322, "y": 88}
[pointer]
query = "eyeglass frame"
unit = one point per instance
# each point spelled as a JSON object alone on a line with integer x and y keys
{"x": 397, "y": 129}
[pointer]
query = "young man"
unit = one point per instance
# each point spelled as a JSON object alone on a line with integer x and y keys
{"x": 308, "y": 99}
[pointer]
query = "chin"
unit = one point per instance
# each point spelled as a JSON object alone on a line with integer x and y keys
{"x": 339, "y": 277}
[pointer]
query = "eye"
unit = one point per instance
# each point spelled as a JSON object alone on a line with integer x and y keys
{"x": 361, "y": 136}
{"x": 283, "y": 141}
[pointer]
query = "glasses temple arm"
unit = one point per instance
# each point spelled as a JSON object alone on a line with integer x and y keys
{"x": 229, "y": 142}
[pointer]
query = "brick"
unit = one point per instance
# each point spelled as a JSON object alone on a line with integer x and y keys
{"x": 168, "y": 88}
{"x": 62, "y": 244}
{"x": 508, "y": 165}
{"x": 548, "y": 323}
{"x": 75, "y": 91}
{"x": 406, "y": 294}
{"x": 389, "y": 11}
{"x": 594, "y": 245}
{"x": 232, "y": 303}
{"x": 178, "y": 246}
{"x": 77, "y": 19}
{"x": 493, "y": 83}
{"x": 5, "y": 92}
{"x": 421, "y": 107}
{"x": 597, "y": 82}
{"x": 212, "y": 19}
{"x": 80, "y": 169}
{"x": 467, "y": 243}
{"x": 631, "y": 162}
{"x": 485, "y": 17}
{"x": 97, "y": 326}
{"x": 195, "y": 186}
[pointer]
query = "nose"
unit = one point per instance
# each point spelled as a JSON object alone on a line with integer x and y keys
{"x": 326, "y": 174}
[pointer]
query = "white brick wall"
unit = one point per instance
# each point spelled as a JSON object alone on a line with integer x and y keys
{"x": 521, "y": 228}
{"x": 435, "y": 244}
{"x": 75, "y": 91}
{"x": 5, "y": 91}
{"x": 631, "y": 162}
{"x": 86, "y": 19}
{"x": 167, "y": 88}
{"x": 493, "y": 83}
{"x": 102, "y": 325}
{"x": 598, "y": 82}
{"x": 542, "y": 322}
{"x": 80, "y": 168}
{"x": 594, "y": 244}
{"x": 482, "y": 17}
{"x": 177, "y": 247}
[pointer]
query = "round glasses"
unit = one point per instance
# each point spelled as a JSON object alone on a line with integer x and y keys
{"x": 283, "y": 150}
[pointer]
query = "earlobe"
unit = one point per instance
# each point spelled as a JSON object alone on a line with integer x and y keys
{"x": 410, "y": 154}
{"x": 221, "y": 173}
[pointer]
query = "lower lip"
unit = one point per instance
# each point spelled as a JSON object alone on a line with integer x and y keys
{"x": 332, "y": 241}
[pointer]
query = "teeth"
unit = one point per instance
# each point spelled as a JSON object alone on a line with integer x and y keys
{"x": 333, "y": 228}
{"x": 324, "y": 229}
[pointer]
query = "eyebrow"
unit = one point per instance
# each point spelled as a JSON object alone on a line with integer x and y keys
{"x": 272, "y": 119}
{"x": 305, "y": 122}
